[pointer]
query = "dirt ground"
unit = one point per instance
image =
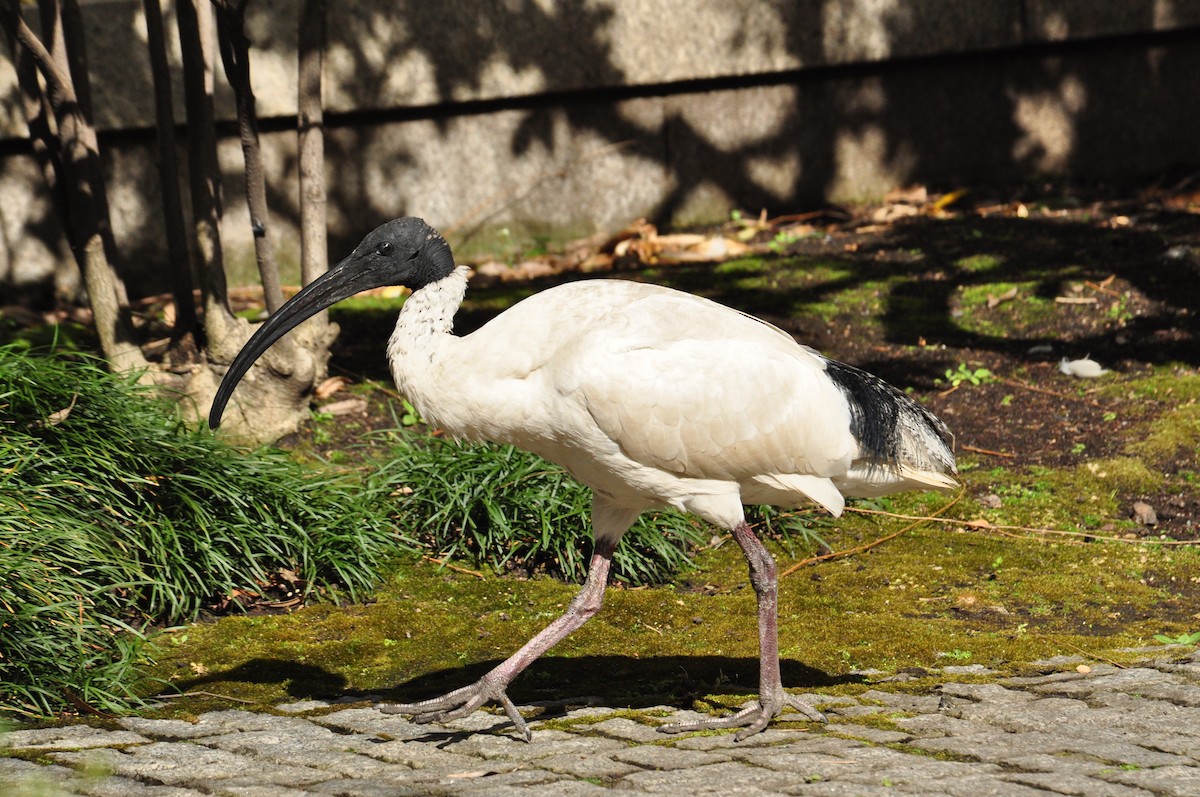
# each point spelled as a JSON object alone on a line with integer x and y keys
{"x": 1011, "y": 281}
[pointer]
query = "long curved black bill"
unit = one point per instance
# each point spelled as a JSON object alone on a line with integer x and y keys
{"x": 340, "y": 282}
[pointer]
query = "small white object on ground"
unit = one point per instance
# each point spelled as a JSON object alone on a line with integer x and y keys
{"x": 1087, "y": 368}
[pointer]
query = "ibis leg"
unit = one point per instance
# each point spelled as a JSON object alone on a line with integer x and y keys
{"x": 771, "y": 698}
{"x": 492, "y": 686}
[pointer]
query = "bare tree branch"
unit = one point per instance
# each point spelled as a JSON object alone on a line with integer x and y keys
{"x": 178, "y": 251}
{"x": 235, "y": 54}
{"x": 195, "y": 40}
{"x": 79, "y": 155}
{"x": 314, "y": 254}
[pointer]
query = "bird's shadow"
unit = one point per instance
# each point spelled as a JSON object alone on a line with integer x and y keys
{"x": 556, "y": 684}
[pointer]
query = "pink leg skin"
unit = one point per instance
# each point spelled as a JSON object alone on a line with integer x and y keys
{"x": 771, "y": 698}
{"x": 492, "y": 686}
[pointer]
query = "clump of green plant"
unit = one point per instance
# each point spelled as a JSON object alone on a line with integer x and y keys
{"x": 115, "y": 514}
{"x": 511, "y": 510}
{"x": 966, "y": 375}
{"x": 1183, "y": 639}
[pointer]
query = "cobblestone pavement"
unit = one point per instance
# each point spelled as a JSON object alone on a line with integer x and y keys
{"x": 1107, "y": 732}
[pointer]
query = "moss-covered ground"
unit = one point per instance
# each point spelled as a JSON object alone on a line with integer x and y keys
{"x": 1010, "y": 289}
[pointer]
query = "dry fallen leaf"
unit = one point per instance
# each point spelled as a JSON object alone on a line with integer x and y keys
{"x": 350, "y": 406}
{"x": 908, "y": 195}
{"x": 58, "y": 416}
{"x": 993, "y": 301}
{"x": 330, "y": 386}
{"x": 1144, "y": 513}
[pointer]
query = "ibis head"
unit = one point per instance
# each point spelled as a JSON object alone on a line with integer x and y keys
{"x": 405, "y": 252}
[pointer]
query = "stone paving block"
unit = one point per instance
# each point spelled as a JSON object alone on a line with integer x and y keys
{"x": 369, "y": 787}
{"x": 372, "y": 721}
{"x": 185, "y": 764}
{"x": 727, "y": 778}
{"x": 801, "y": 766}
{"x": 1123, "y": 752}
{"x": 822, "y": 702}
{"x": 1058, "y": 662}
{"x": 418, "y": 756}
{"x": 247, "y": 787}
{"x": 792, "y": 759}
{"x": 1137, "y": 722}
{"x": 28, "y": 778}
{"x": 1030, "y": 681}
{"x": 922, "y": 704}
{"x": 165, "y": 730}
{"x": 832, "y": 788}
{"x": 858, "y": 711}
{"x": 1081, "y": 785}
{"x": 661, "y": 757}
{"x": 767, "y": 738}
{"x": 1134, "y": 679}
{"x": 989, "y": 693}
{"x": 922, "y": 772}
{"x": 992, "y": 745}
{"x": 1067, "y": 763}
{"x": 127, "y": 787}
{"x": 1181, "y": 694}
{"x": 982, "y": 786}
{"x": 517, "y": 781}
{"x": 301, "y": 706}
{"x": 587, "y": 765}
{"x": 306, "y": 750}
{"x": 873, "y": 735}
{"x": 69, "y": 737}
{"x": 942, "y": 725}
{"x": 627, "y": 729}
{"x": 573, "y": 788}
{"x": 968, "y": 669}
{"x": 515, "y": 748}
{"x": 1034, "y": 715}
{"x": 215, "y": 722}
{"x": 1169, "y": 781}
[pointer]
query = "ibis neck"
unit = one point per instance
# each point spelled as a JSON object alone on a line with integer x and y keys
{"x": 427, "y": 317}
{"x": 418, "y": 346}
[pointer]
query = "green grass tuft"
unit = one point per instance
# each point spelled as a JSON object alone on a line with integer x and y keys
{"x": 115, "y": 514}
{"x": 512, "y": 511}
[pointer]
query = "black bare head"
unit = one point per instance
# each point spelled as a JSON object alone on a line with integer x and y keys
{"x": 404, "y": 251}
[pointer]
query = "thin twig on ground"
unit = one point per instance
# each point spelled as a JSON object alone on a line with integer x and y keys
{"x": 867, "y": 546}
{"x": 984, "y": 525}
{"x": 1097, "y": 656}
{"x": 1018, "y": 383}
{"x": 987, "y": 451}
{"x": 446, "y": 564}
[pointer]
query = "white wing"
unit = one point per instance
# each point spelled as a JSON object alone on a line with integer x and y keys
{"x": 701, "y": 391}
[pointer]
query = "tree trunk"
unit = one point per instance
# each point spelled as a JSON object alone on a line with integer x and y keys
{"x": 79, "y": 155}
{"x": 314, "y": 250}
{"x": 235, "y": 55}
{"x": 314, "y": 253}
{"x": 178, "y": 251}
{"x": 274, "y": 397}
{"x": 194, "y": 19}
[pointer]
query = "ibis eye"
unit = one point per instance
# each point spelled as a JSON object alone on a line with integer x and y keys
{"x": 384, "y": 248}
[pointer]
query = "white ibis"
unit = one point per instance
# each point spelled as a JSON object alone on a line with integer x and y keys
{"x": 649, "y": 396}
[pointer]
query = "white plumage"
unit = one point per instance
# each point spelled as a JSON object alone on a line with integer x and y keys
{"x": 649, "y": 396}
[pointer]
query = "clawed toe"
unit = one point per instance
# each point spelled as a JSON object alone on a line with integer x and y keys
{"x": 460, "y": 703}
{"x": 753, "y": 718}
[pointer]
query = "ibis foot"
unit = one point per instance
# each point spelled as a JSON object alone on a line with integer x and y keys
{"x": 753, "y": 717}
{"x": 460, "y": 703}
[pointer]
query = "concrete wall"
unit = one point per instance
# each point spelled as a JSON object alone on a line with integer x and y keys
{"x": 542, "y": 117}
